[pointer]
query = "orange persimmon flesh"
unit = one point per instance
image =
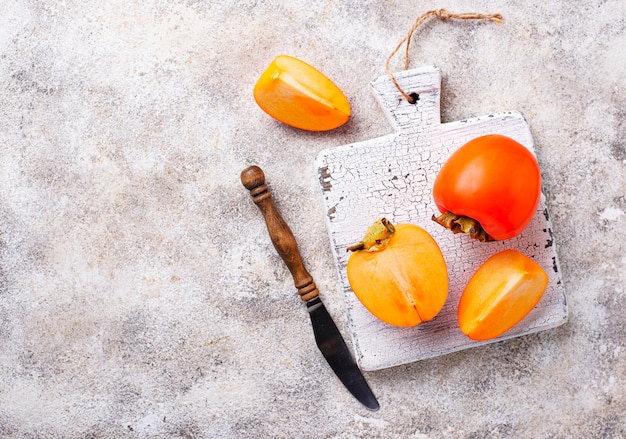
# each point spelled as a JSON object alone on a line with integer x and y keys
{"x": 297, "y": 94}
{"x": 398, "y": 273}
{"x": 505, "y": 288}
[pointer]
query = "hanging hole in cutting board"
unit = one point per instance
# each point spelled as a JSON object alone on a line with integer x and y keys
{"x": 414, "y": 98}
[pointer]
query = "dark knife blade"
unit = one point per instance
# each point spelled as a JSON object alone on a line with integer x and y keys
{"x": 332, "y": 345}
{"x": 327, "y": 335}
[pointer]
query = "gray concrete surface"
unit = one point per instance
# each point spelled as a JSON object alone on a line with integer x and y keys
{"x": 139, "y": 294}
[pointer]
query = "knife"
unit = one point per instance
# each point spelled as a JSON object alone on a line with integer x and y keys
{"x": 327, "y": 336}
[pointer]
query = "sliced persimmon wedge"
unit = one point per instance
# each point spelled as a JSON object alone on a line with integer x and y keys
{"x": 505, "y": 288}
{"x": 299, "y": 95}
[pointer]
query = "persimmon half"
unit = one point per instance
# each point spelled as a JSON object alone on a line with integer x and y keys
{"x": 398, "y": 273}
{"x": 299, "y": 95}
{"x": 504, "y": 289}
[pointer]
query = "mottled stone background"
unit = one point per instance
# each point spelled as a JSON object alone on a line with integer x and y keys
{"x": 140, "y": 295}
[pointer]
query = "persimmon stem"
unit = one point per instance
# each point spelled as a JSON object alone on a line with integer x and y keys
{"x": 376, "y": 237}
{"x": 462, "y": 224}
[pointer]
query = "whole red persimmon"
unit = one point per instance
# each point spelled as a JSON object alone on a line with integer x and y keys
{"x": 489, "y": 188}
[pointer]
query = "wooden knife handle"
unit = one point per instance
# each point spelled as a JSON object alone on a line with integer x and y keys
{"x": 284, "y": 242}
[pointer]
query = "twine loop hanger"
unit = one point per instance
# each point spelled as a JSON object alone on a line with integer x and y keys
{"x": 441, "y": 14}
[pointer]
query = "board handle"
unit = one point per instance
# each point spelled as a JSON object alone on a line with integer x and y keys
{"x": 284, "y": 242}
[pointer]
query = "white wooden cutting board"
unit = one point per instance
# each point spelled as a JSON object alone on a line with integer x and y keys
{"x": 392, "y": 177}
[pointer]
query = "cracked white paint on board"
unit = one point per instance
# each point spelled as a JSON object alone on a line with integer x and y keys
{"x": 392, "y": 176}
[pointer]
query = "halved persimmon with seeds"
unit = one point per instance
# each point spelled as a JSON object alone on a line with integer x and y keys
{"x": 299, "y": 95}
{"x": 504, "y": 289}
